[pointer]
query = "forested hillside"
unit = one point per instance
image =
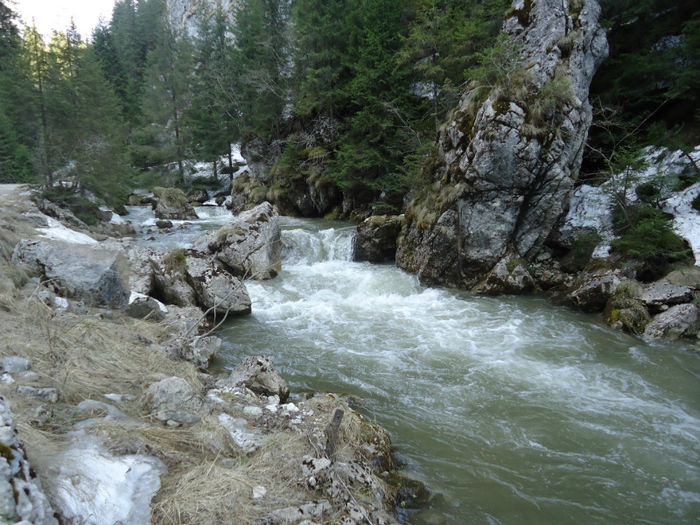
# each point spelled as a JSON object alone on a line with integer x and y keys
{"x": 341, "y": 99}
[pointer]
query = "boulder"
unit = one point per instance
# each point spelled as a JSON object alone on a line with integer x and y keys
{"x": 258, "y": 374}
{"x": 173, "y": 399}
{"x": 94, "y": 274}
{"x": 507, "y": 277}
{"x": 679, "y": 321}
{"x": 185, "y": 322}
{"x": 661, "y": 294}
{"x": 144, "y": 307}
{"x": 162, "y": 224}
{"x": 626, "y": 313}
{"x": 506, "y": 162}
{"x": 250, "y": 246}
{"x": 215, "y": 289}
{"x": 170, "y": 282}
{"x": 592, "y": 292}
{"x": 22, "y": 499}
{"x": 197, "y": 196}
{"x": 202, "y": 350}
{"x": 171, "y": 203}
{"x": 375, "y": 240}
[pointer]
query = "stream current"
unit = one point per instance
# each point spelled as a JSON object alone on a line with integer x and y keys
{"x": 511, "y": 410}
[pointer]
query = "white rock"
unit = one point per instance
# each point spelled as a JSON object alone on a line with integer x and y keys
{"x": 259, "y": 491}
{"x": 253, "y": 411}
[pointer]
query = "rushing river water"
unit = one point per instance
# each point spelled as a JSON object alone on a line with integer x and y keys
{"x": 513, "y": 410}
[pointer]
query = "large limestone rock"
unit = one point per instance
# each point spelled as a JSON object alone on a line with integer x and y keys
{"x": 172, "y": 203}
{"x": 506, "y": 165}
{"x": 22, "y": 499}
{"x": 216, "y": 290}
{"x": 375, "y": 240}
{"x": 96, "y": 275}
{"x": 249, "y": 247}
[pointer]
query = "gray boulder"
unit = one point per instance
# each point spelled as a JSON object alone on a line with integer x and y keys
{"x": 375, "y": 240}
{"x": 186, "y": 321}
{"x": 660, "y": 294}
{"x": 96, "y": 275}
{"x": 507, "y": 277}
{"x": 173, "y": 399}
{"x": 258, "y": 374}
{"x": 169, "y": 278}
{"x": 505, "y": 165}
{"x": 171, "y": 203}
{"x": 22, "y": 499}
{"x": 679, "y": 321}
{"x": 144, "y": 307}
{"x": 592, "y": 292}
{"x": 249, "y": 247}
{"x": 200, "y": 350}
{"x": 216, "y": 290}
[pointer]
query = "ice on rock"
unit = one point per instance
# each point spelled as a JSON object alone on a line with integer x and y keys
{"x": 92, "y": 486}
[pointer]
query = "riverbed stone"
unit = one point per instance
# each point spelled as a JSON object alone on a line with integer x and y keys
{"x": 258, "y": 374}
{"x": 48, "y": 394}
{"x": 144, "y": 307}
{"x": 217, "y": 291}
{"x": 375, "y": 240}
{"x": 171, "y": 203}
{"x": 680, "y": 321}
{"x": 592, "y": 292}
{"x": 173, "y": 399}
{"x": 251, "y": 246}
{"x": 201, "y": 350}
{"x": 509, "y": 276}
{"x": 660, "y": 294}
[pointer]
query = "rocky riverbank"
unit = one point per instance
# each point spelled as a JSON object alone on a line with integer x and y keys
{"x": 104, "y": 357}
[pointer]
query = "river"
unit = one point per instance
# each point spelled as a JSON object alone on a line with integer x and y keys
{"x": 511, "y": 410}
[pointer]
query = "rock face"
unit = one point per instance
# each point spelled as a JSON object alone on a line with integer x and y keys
{"x": 97, "y": 275}
{"x": 505, "y": 166}
{"x": 375, "y": 240}
{"x": 250, "y": 246}
{"x": 171, "y": 203}
{"x": 659, "y": 294}
{"x": 21, "y": 496}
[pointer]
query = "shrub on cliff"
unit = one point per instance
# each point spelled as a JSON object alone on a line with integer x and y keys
{"x": 648, "y": 240}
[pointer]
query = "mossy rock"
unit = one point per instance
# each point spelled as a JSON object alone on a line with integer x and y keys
{"x": 627, "y": 313}
{"x": 171, "y": 197}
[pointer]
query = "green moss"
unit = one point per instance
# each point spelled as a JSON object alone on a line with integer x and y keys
{"x": 171, "y": 197}
{"x": 580, "y": 253}
{"x": 501, "y": 106}
{"x": 6, "y": 452}
{"x": 175, "y": 261}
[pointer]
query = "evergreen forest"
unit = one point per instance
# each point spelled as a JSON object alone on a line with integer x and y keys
{"x": 344, "y": 94}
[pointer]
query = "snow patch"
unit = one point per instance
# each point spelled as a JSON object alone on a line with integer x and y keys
{"x": 92, "y": 486}
{"x": 590, "y": 207}
{"x": 60, "y": 302}
{"x": 57, "y": 231}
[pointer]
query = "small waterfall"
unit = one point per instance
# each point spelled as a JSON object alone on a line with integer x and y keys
{"x": 304, "y": 247}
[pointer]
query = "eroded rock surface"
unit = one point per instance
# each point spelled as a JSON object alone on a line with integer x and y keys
{"x": 172, "y": 203}
{"x": 502, "y": 174}
{"x": 258, "y": 374}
